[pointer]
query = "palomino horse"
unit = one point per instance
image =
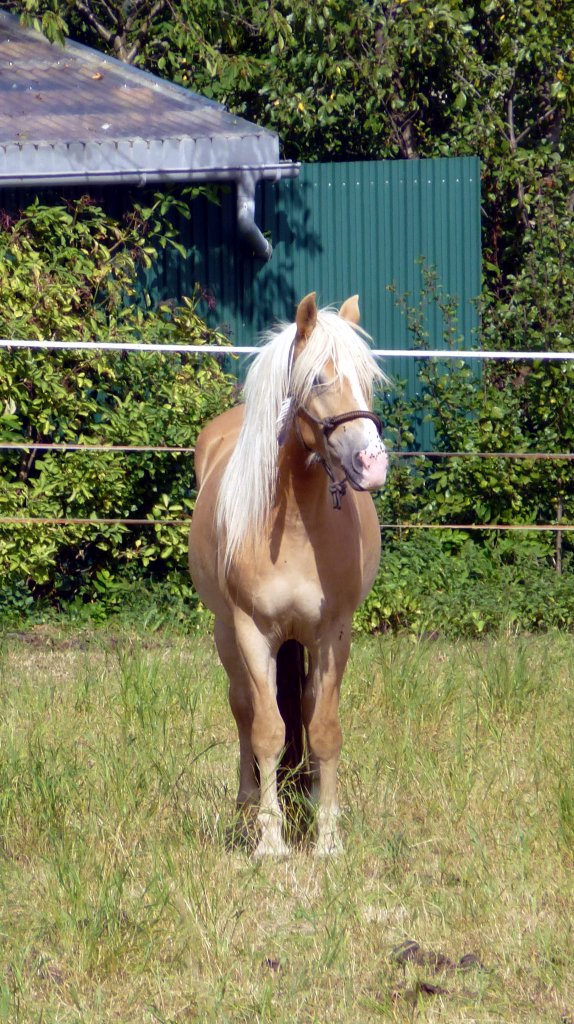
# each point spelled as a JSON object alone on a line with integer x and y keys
{"x": 283, "y": 552}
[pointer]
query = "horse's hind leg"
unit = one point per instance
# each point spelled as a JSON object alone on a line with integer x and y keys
{"x": 251, "y": 672}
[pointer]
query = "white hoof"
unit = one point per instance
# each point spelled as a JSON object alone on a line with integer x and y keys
{"x": 270, "y": 848}
{"x": 271, "y": 843}
{"x": 328, "y": 839}
{"x": 328, "y": 845}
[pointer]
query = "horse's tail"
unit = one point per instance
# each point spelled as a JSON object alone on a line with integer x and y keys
{"x": 290, "y": 682}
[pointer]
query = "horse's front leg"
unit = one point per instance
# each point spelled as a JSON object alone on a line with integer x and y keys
{"x": 241, "y": 704}
{"x": 321, "y": 716}
{"x": 267, "y": 731}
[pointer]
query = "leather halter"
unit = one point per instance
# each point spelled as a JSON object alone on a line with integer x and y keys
{"x": 337, "y": 488}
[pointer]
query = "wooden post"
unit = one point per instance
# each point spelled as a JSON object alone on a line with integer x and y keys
{"x": 559, "y": 538}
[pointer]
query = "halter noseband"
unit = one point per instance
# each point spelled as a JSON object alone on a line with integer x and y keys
{"x": 337, "y": 488}
{"x": 330, "y": 423}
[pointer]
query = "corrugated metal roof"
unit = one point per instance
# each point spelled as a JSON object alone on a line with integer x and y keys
{"x": 73, "y": 114}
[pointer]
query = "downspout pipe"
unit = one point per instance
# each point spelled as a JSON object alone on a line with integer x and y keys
{"x": 250, "y": 234}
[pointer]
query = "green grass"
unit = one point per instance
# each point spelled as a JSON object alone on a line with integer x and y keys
{"x": 120, "y": 900}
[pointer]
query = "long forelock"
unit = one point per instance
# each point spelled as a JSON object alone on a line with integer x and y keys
{"x": 345, "y": 346}
{"x": 248, "y": 484}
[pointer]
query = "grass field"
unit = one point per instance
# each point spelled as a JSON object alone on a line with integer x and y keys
{"x": 120, "y": 900}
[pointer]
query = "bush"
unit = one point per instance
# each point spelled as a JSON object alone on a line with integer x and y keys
{"x": 72, "y": 272}
{"x": 468, "y": 583}
{"x": 448, "y": 584}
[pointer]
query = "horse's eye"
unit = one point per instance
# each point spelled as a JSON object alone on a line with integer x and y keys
{"x": 317, "y": 381}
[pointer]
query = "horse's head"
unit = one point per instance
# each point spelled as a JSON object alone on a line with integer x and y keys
{"x": 331, "y": 380}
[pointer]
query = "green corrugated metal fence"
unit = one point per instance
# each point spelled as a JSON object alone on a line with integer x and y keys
{"x": 339, "y": 229}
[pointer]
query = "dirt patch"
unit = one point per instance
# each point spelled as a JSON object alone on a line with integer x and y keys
{"x": 51, "y": 637}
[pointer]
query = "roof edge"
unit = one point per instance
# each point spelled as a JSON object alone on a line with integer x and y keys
{"x": 264, "y": 172}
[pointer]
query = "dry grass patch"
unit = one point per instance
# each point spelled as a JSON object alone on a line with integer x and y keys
{"x": 121, "y": 900}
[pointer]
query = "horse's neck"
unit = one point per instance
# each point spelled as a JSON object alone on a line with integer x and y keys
{"x": 298, "y": 480}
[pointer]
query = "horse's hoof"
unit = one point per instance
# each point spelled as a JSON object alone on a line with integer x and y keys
{"x": 328, "y": 845}
{"x": 270, "y": 848}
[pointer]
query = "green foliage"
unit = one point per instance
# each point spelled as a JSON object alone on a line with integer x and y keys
{"x": 71, "y": 273}
{"x": 505, "y": 407}
{"x": 473, "y": 581}
{"x": 444, "y": 583}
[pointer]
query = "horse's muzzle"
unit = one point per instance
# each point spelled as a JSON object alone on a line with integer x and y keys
{"x": 370, "y": 466}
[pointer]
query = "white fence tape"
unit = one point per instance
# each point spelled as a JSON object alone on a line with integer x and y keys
{"x": 224, "y": 350}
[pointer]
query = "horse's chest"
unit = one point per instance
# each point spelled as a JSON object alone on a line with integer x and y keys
{"x": 294, "y": 596}
{"x": 289, "y": 599}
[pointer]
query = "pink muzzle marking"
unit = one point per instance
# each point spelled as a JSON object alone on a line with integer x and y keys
{"x": 374, "y": 463}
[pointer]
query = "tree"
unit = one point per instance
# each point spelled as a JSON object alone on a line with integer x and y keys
{"x": 370, "y": 80}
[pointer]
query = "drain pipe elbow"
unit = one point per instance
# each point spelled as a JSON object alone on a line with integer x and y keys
{"x": 250, "y": 234}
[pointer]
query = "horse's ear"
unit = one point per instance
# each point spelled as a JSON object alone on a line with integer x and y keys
{"x": 306, "y": 316}
{"x": 350, "y": 310}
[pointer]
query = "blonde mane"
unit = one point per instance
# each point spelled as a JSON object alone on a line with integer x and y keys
{"x": 248, "y": 485}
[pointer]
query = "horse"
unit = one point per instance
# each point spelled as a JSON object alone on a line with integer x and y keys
{"x": 282, "y": 551}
